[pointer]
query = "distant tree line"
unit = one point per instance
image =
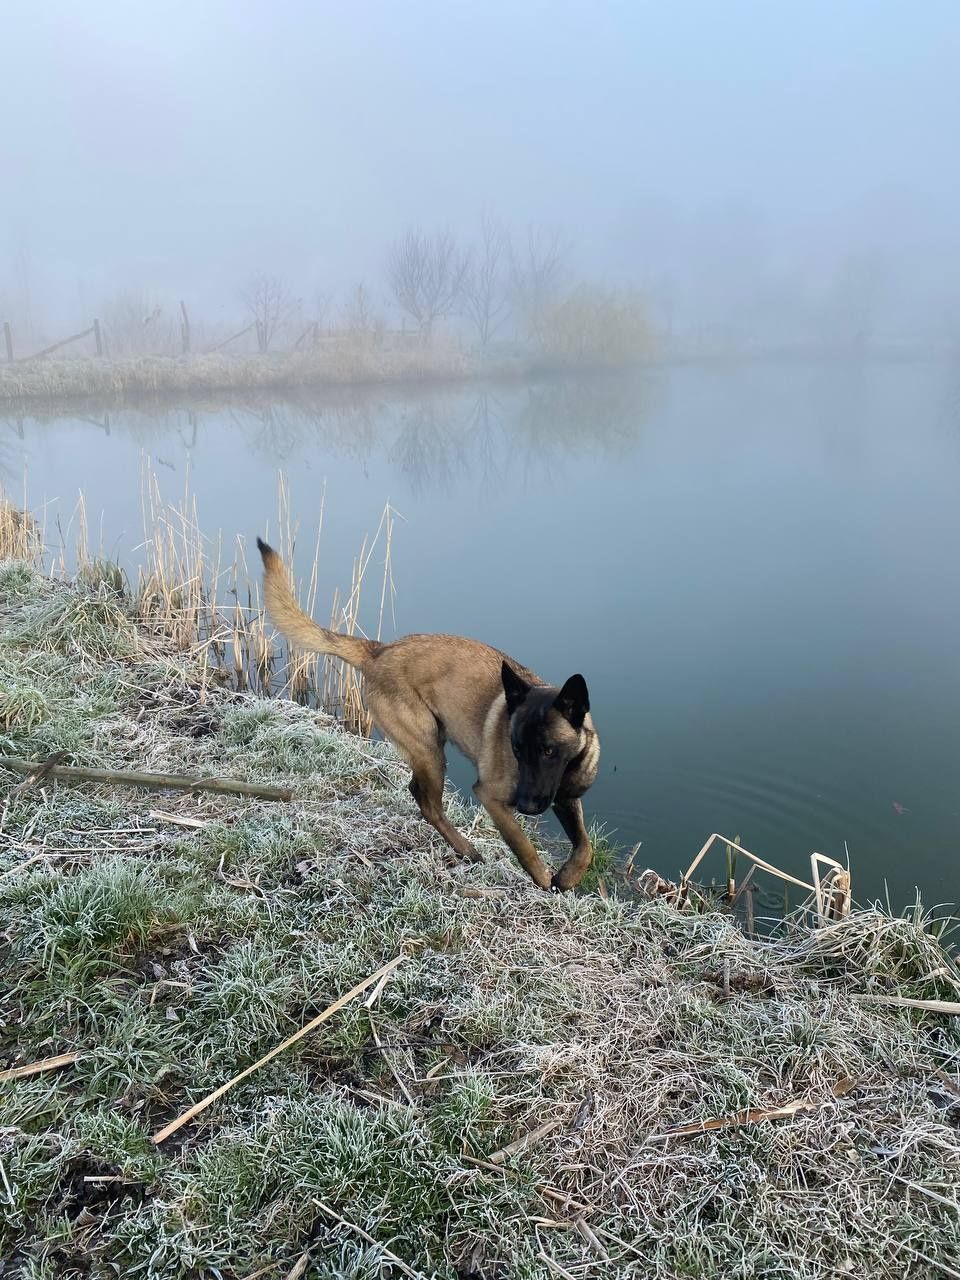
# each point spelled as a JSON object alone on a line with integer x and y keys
{"x": 500, "y": 287}
{"x": 505, "y": 288}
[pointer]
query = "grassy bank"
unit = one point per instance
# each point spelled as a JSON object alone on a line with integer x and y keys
{"x": 350, "y": 359}
{"x": 507, "y": 1104}
{"x": 341, "y": 360}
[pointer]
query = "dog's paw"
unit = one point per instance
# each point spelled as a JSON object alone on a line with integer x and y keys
{"x": 557, "y": 886}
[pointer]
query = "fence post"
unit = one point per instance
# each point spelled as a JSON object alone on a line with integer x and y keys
{"x": 184, "y": 329}
{"x": 8, "y": 339}
{"x": 98, "y": 337}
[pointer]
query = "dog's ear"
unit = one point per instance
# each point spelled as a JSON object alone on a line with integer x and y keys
{"x": 514, "y": 688}
{"x": 573, "y": 701}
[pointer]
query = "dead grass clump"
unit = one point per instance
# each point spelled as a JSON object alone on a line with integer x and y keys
{"x": 20, "y": 536}
{"x": 885, "y": 952}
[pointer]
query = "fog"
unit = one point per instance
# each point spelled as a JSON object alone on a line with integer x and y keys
{"x": 755, "y": 166}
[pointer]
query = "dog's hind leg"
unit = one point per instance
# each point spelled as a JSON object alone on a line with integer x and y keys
{"x": 515, "y": 837}
{"x": 570, "y": 815}
{"x": 426, "y": 787}
{"x": 414, "y": 732}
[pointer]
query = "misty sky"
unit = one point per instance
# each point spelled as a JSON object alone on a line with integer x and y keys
{"x": 180, "y": 147}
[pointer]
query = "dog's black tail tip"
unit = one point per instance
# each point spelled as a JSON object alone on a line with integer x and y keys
{"x": 264, "y": 548}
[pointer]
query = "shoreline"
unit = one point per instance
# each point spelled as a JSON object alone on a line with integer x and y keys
{"x": 354, "y": 366}
{"x": 702, "y": 1102}
{"x": 362, "y": 366}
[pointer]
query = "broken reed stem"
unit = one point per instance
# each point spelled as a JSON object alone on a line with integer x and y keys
{"x": 831, "y": 892}
{"x": 833, "y": 889}
{"x": 37, "y": 857}
{"x": 162, "y": 1134}
{"x": 906, "y": 1002}
{"x": 761, "y": 862}
{"x": 151, "y": 781}
{"x": 555, "y": 1267}
{"x": 264, "y": 1271}
{"x": 35, "y": 1068}
{"x": 754, "y": 1115}
{"x": 299, "y": 1268}
{"x": 522, "y": 1143}
{"x": 925, "y": 1257}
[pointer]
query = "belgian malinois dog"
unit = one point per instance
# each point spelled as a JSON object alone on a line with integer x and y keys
{"x": 534, "y": 745}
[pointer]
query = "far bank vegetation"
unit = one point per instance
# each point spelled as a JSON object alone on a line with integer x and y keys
{"x": 444, "y": 307}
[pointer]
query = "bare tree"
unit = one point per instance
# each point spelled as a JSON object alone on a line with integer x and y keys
{"x": 270, "y": 305}
{"x": 357, "y": 313}
{"x": 136, "y": 325}
{"x": 537, "y": 269}
{"x": 426, "y": 274}
{"x": 486, "y": 290}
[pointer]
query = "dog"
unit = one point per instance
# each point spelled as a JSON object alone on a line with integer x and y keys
{"x": 534, "y": 745}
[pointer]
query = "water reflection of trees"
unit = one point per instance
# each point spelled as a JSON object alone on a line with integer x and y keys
{"x": 481, "y": 435}
{"x": 432, "y": 437}
{"x": 568, "y": 415}
{"x": 426, "y": 447}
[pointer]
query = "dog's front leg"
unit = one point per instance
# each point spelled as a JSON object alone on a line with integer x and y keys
{"x": 570, "y": 815}
{"x": 513, "y": 833}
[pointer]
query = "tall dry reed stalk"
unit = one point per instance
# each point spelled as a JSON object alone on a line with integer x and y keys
{"x": 180, "y": 572}
{"x": 208, "y": 604}
{"x": 341, "y": 685}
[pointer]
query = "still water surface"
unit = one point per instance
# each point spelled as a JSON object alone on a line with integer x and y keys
{"x": 755, "y": 568}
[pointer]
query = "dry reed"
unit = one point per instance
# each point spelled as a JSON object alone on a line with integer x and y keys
{"x": 191, "y": 592}
{"x": 830, "y": 891}
{"x": 21, "y": 537}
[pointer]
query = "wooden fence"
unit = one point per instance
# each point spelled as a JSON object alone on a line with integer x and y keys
{"x": 312, "y": 336}
{"x": 95, "y": 330}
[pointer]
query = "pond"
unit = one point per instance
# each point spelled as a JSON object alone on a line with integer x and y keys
{"x": 755, "y": 567}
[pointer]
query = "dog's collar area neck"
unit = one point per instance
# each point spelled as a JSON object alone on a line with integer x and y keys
{"x": 578, "y": 758}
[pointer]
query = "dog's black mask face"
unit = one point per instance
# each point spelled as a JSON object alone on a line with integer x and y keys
{"x": 544, "y": 734}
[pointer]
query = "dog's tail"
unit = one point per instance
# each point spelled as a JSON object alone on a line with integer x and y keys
{"x": 299, "y": 626}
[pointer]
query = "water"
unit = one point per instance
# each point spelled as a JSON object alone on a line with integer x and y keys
{"x": 755, "y": 568}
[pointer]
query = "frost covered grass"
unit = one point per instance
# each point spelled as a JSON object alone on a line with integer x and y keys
{"x": 503, "y": 1109}
{"x": 354, "y": 358}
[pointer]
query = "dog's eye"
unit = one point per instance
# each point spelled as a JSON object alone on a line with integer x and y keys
{"x": 549, "y": 752}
